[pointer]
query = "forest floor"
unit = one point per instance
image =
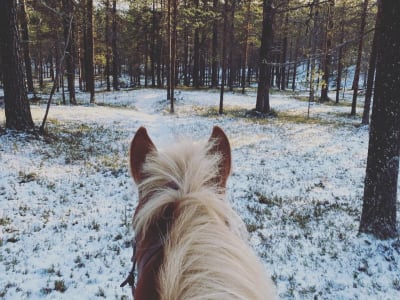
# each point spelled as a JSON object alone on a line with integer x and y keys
{"x": 66, "y": 198}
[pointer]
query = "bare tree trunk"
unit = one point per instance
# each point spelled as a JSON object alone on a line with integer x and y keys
{"x": 223, "y": 57}
{"x": 186, "y": 77}
{"x": 313, "y": 51}
{"x": 371, "y": 69}
{"x": 358, "y": 62}
{"x": 284, "y": 50}
{"x": 114, "y": 46}
{"x": 17, "y": 109}
{"x": 89, "y": 69}
{"x": 70, "y": 46}
{"x": 245, "y": 46}
{"x": 340, "y": 56}
{"x": 196, "y": 53}
{"x": 380, "y": 192}
{"x": 169, "y": 52}
{"x": 214, "y": 51}
{"x": 25, "y": 47}
{"x": 327, "y": 55}
{"x": 153, "y": 44}
{"x": 231, "y": 41}
{"x": 262, "y": 104}
{"x": 296, "y": 54}
{"x": 173, "y": 52}
{"x": 107, "y": 44}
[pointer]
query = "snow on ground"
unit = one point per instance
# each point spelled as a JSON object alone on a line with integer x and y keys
{"x": 66, "y": 199}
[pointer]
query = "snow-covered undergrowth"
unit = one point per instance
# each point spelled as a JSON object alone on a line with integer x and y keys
{"x": 66, "y": 199}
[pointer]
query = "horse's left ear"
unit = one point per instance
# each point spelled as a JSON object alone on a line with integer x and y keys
{"x": 221, "y": 146}
{"x": 141, "y": 146}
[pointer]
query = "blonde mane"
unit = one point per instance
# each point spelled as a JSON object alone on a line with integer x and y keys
{"x": 206, "y": 253}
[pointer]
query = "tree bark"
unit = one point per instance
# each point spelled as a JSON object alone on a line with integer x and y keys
{"x": 380, "y": 192}
{"x": 114, "y": 47}
{"x": 313, "y": 40}
{"x": 214, "y": 49}
{"x": 17, "y": 109}
{"x": 340, "y": 55}
{"x": 245, "y": 48}
{"x": 173, "y": 52}
{"x": 89, "y": 69}
{"x": 296, "y": 54}
{"x": 25, "y": 47}
{"x": 223, "y": 57}
{"x": 358, "y": 62}
{"x": 327, "y": 55}
{"x": 371, "y": 69}
{"x": 107, "y": 44}
{"x": 70, "y": 46}
{"x": 262, "y": 104}
{"x": 196, "y": 53}
{"x": 282, "y": 61}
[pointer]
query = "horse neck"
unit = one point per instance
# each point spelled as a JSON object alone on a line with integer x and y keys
{"x": 149, "y": 256}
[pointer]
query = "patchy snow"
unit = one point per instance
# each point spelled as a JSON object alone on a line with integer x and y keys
{"x": 66, "y": 199}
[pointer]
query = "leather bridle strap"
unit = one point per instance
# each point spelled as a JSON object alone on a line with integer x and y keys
{"x": 131, "y": 276}
{"x": 150, "y": 252}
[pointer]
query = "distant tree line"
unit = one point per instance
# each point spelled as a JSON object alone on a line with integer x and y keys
{"x": 315, "y": 45}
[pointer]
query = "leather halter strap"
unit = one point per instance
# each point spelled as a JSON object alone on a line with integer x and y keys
{"x": 131, "y": 276}
{"x": 140, "y": 265}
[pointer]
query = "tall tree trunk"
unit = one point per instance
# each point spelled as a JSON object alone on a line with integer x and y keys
{"x": 223, "y": 57}
{"x": 371, "y": 68}
{"x": 340, "y": 55}
{"x": 296, "y": 54}
{"x": 70, "y": 47}
{"x": 262, "y": 104}
{"x": 231, "y": 63}
{"x": 245, "y": 49}
{"x": 107, "y": 44}
{"x": 89, "y": 69}
{"x": 146, "y": 59}
{"x": 284, "y": 50}
{"x": 358, "y": 62}
{"x": 313, "y": 51}
{"x": 40, "y": 57}
{"x": 169, "y": 51}
{"x": 380, "y": 192}
{"x": 202, "y": 61}
{"x": 196, "y": 53}
{"x": 173, "y": 52}
{"x": 327, "y": 54}
{"x": 114, "y": 46}
{"x": 18, "y": 113}
{"x": 153, "y": 43}
{"x": 214, "y": 48}
{"x": 81, "y": 32}
{"x": 186, "y": 60}
{"x": 25, "y": 47}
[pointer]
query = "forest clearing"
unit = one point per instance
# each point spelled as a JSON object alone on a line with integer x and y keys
{"x": 67, "y": 198}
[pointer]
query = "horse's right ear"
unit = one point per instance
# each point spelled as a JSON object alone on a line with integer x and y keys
{"x": 141, "y": 146}
{"x": 220, "y": 144}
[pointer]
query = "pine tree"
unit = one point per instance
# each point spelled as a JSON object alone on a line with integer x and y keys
{"x": 17, "y": 109}
{"x": 380, "y": 192}
{"x": 262, "y": 104}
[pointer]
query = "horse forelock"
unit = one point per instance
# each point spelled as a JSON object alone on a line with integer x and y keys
{"x": 172, "y": 174}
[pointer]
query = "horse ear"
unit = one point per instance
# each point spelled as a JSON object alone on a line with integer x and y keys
{"x": 141, "y": 146}
{"x": 221, "y": 146}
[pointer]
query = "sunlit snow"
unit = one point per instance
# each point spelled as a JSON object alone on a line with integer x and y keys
{"x": 66, "y": 199}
